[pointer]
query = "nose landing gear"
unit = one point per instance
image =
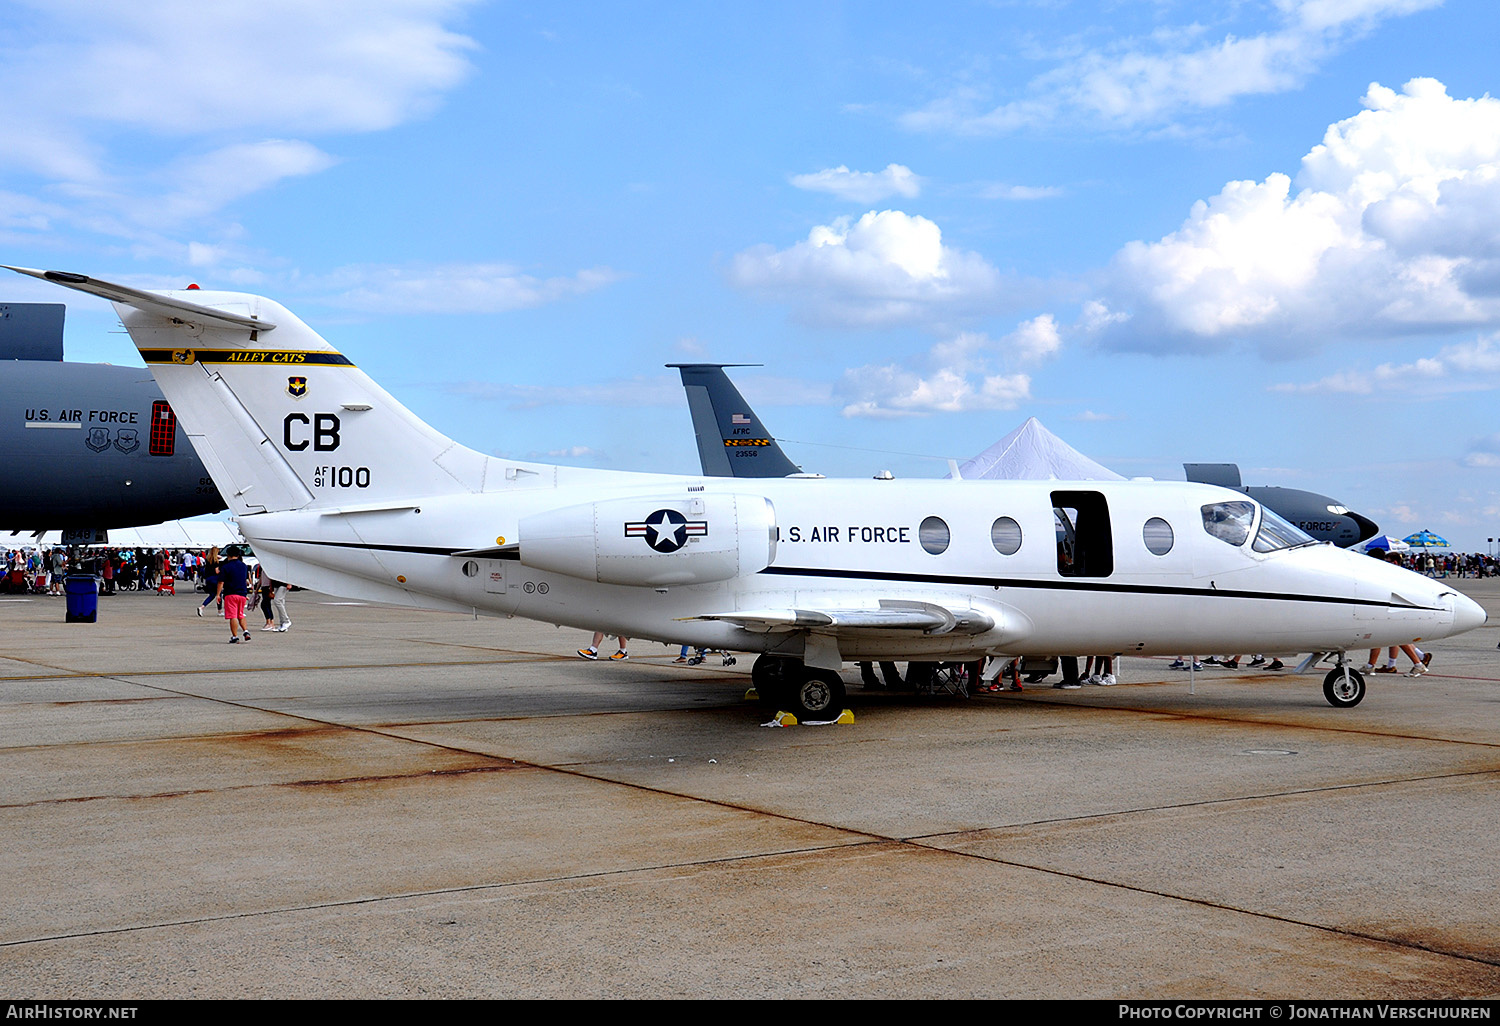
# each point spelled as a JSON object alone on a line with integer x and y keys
{"x": 1344, "y": 687}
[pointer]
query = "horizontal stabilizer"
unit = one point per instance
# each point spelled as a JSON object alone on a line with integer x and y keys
{"x": 150, "y": 302}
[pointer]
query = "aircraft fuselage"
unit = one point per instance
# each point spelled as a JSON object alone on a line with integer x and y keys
{"x": 841, "y": 544}
{"x": 79, "y": 450}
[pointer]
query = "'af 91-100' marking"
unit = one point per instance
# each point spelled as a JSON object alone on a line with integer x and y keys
{"x": 341, "y": 477}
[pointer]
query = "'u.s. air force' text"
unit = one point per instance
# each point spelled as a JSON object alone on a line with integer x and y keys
{"x": 845, "y": 534}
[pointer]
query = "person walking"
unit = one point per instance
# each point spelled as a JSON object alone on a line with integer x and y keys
{"x": 208, "y": 573}
{"x": 233, "y": 590}
{"x": 592, "y": 652}
{"x": 279, "y": 591}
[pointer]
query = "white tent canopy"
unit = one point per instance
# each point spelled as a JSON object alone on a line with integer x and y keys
{"x": 1032, "y": 453}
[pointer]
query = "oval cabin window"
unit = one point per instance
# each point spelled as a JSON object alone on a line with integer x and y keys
{"x": 934, "y": 536}
{"x": 1005, "y": 535}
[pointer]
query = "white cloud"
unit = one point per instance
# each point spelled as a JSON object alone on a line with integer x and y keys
{"x": 888, "y": 267}
{"x": 1153, "y": 80}
{"x": 1002, "y": 191}
{"x": 1483, "y": 454}
{"x": 862, "y": 186}
{"x": 893, "y": 392}
{"x": 967, "y": 372}
{"x": 452, "y": 288}
{"x": 658, "y": 390}
{"x": 205, "y": 184}
{"x": 84, "y": 81}
{"x": 1404, "y": 513}
{"x": 1389, "y": 232}
{"x": 182, "y": 67}
{"x": 1464, "y": 367}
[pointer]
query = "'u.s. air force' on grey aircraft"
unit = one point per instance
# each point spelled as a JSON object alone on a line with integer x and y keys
{"x": 86, "y": 446}
{"x": 340, "y": 488}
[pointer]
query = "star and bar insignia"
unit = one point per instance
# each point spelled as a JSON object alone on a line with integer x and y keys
{"x": 666, "y": 530}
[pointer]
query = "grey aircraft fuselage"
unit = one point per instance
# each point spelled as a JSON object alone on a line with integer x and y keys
{"x": 1324, "y": 518}
{"x": 87, "y": 446}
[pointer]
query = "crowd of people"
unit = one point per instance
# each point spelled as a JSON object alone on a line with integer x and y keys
{"x": 39, "y": 571}
{"x": 1447, "y": 564}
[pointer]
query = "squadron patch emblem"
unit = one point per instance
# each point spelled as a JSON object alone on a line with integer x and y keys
{"x": 184, "y": 356}
{"x": 127, "y": 440}
{"x": 296, "y": 387}
{"x": 666, "y": 530}
{"x": 97, "y": 439}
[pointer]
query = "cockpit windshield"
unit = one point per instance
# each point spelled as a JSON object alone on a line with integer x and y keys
{"x": 1275, "y": 533}
{"x": 1229, "y": 521}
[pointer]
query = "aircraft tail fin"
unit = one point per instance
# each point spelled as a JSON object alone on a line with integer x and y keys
{"x": 732, "y": 441}
{"x": 1225, "y": 475}
{"x": 281, "y": 419}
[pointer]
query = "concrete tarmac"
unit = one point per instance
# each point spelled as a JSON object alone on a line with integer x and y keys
{"x": 386, "y": 803}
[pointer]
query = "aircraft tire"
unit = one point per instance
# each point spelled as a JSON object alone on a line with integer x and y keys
{"x": 1339, "y": 696}
{"x": 817, "y": 695}
{"x": 773, "y": 677}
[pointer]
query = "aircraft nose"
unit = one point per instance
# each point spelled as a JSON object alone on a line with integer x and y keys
{"x": 1467, "y": 614}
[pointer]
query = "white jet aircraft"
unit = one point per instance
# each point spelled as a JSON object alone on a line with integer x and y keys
{"x": 340, "y": 488}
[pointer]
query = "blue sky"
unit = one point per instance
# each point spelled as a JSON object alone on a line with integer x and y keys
{"x": 1254, "y": 232}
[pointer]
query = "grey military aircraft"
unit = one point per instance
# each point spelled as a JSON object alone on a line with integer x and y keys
{"x": 1319, "y": 516}
{"x": 87, "y": 446}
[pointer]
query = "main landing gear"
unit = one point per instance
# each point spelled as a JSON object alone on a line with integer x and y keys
{"x": 806, "y": 692}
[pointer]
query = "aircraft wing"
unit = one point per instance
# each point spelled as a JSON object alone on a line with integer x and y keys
{"x": 889, "y": 615}
{"x": 732, "y": 441}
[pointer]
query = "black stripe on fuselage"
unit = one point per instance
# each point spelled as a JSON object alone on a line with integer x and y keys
{"x": 1074, "y": 584}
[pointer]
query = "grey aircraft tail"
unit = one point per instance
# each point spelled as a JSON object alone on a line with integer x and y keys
{"x": 732, "y": 441}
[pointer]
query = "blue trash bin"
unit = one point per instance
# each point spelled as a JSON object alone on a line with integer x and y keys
{"x": 82, "y": 595}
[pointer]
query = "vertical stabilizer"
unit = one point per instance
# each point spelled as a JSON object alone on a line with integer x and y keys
{"x": 1225, "y": 475}
{"x": 281, "y": 419}
{"x": 732, "y": 441}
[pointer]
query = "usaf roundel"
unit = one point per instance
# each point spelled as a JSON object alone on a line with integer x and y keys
{"x": 666, "y": 530}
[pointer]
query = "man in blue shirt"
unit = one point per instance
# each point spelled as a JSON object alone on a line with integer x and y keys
{"x": 234, "y": 587}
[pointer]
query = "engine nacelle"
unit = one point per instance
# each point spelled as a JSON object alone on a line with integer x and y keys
{"x": 653, "y": 541}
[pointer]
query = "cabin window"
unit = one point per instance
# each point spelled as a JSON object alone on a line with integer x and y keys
{"x": 1229, "y": 521}
{"x": 1085, "y": 547}
{"x": 1005, "y": 535}
{"x": 1157, "y": 534}
{"x": 1275, "y": 533}
{"x": 934, "y": 536}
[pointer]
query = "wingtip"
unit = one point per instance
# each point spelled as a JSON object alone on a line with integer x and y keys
{"x": 62, "y": 277}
